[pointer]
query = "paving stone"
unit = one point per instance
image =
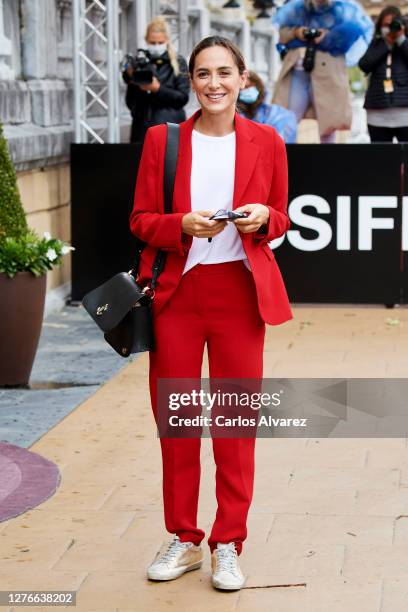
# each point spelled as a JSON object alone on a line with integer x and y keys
{"x": 304, "y": 500}
{"x": 381, "y": 502}
{"x": 295, "y": 562}
{"x": 126, "y": 589}
{"x": 394, "y": 595}
{"x": 71, "y": 352}
{"x": 36, "y": 578}
{"x": 375, "y": 561}
{"x": 335, "y": 478}
{"x": 328, "y": 530}
{"x": 317, "y": 596}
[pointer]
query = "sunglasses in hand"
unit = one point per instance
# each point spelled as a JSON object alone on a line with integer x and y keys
{"x": 229, "y": 215}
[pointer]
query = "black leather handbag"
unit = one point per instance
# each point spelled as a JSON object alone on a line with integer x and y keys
{"x": 120, "y": 307}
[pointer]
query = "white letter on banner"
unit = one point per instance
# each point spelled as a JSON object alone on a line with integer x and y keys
{"x": 343, "y": 232}
{"x": 366, "y": 221}
{"x": 405, "y": 223}
{"x": 276, "y": 242}
{"x": 319, "y": 225}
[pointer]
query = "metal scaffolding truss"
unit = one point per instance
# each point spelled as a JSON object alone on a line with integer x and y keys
{"x": 96, "y": 71}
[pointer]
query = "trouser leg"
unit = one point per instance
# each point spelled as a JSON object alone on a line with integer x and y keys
{"x": 179, "y": 353}
{"x": 401, "y": 133}
{"x": 235, "y": 339}
{"x": 329, "y": 138}
{"x": 299, "y": 93}
{"x": 380, "y": 134}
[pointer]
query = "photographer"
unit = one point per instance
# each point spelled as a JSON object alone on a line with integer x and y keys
{"x": 386, "y": 61}
{"x": 252, "y": 105}
{"x": 163, "y": 98}
{"x": 318, "y": 40}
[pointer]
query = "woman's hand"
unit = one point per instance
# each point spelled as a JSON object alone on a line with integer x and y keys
{"x": 259, "y": 215}
{"x": 198, "y": 224}
{"x": 319, "y": 38}
{"x": 153, "y": 86}
{"x": 299, "y": 33}
{"x": 391, "y": 37}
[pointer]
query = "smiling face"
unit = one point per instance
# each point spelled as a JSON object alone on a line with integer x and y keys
{"x": 216, "y": 79}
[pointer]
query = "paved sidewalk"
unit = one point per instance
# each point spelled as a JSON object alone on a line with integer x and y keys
{"x": 328, "y": 527}
{"x": 72, "y": 361}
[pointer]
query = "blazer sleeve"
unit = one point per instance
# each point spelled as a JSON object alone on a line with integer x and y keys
{"x": 156, "y": 229}
{"x": 278, "y": 222}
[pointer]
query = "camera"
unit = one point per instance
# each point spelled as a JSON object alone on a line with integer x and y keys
{"x": 311, "y": 33}
{"x": 143, "y": 68}
{"x": 309, "y": 60}
{"x": 396, "y": 25}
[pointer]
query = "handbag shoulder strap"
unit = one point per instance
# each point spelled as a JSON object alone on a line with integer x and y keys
{"x": 170, "y": 163}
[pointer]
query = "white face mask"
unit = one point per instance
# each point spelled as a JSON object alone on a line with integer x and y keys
{"x": 384, "y": 31}
{"x": 157, "y": 50}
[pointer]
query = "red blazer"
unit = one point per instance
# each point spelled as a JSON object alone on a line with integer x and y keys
{"x": 260, "y": 177}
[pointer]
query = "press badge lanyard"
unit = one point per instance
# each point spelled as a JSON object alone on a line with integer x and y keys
{"x": 388, "y": 86}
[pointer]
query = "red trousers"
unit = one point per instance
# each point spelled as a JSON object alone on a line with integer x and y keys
{"x": 214, "y": 304}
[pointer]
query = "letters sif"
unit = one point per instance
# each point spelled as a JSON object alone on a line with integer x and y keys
{"x": 366, "y": 218}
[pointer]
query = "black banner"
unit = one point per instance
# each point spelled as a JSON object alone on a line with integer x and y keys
{"x": 345, "y": 244}
{"x": 103, "y": 179}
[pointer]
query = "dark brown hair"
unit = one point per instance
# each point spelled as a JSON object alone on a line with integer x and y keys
{"x": 250, "y": 109}
{"x": 389, "y": 10}
{"x": 213, "y": 41}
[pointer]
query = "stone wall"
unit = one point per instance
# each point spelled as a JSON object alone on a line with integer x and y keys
{"x": 36, "y": 78}
{"x": 45, "y": 194}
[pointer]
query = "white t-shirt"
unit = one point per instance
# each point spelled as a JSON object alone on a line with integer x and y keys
{"x": 212, "y": 188}
{"x": 395, "y": 116}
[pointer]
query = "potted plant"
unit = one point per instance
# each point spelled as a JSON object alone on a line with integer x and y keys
{"x": 25, "y": 258}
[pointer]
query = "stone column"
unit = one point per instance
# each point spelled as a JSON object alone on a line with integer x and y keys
{"x": 6, "y": 71}
{"x": 39, "y": 39}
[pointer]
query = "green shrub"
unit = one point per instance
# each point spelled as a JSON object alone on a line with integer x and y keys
{"x": 12, "y": 216}
{"x": 30, "y": 253}
{"x": 21, "y": 249}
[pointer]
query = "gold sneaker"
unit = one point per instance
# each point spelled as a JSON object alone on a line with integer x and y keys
{"x": 179, "y": 557}
{"x": 226, "y": 573}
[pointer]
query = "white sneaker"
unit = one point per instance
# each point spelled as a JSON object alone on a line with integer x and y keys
{"x": 226, "y": 573}
{"x": 179, "y": 557}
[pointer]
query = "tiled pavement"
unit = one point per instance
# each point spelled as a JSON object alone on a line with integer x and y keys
{"x": 328, "y": 527}
{"x": 72, "y": 361}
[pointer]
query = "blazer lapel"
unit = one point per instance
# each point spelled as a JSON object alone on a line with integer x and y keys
{"x": 246, "y": 155}
{"x": 182, "y": 186}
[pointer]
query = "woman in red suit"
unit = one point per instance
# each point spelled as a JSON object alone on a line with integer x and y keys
{"x": 218, "y": 292}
